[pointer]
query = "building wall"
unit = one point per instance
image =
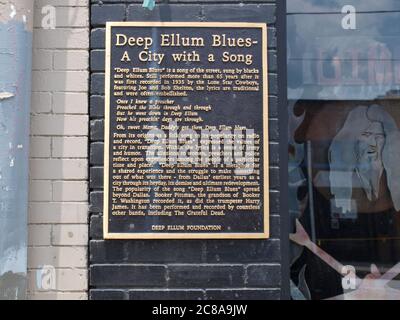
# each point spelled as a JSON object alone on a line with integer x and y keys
{"x": 181, "y": 269}
{"x": 58, "y": 215}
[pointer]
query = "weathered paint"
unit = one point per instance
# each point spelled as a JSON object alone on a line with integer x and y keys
{"x": 17, "y": 10}
{"x": 15, "y": 92}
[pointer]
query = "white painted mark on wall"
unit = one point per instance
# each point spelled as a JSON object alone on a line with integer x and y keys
{"x": 349, "y": 21}
{"x": 46, "y": 278}
{"x": 49, "y": 21}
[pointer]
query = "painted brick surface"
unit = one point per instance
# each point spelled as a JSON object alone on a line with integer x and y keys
{"x": 58, "y": 215}
{"x": 180, "y": 269}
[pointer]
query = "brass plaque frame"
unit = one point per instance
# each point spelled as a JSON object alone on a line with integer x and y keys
{"x": 152, "y": 235}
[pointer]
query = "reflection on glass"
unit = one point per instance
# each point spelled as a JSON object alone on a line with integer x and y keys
{"x": 344, "y": 150}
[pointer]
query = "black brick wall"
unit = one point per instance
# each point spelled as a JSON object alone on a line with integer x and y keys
{"x": 181, "y": 269}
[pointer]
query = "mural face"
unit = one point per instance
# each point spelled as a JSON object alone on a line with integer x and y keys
{"x": 369, "y": 166}
{"x": 358, "y": 152}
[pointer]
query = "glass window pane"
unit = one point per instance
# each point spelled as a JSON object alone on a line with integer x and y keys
{"x": 344, "y": 148}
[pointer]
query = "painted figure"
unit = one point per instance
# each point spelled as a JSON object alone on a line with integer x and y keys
{"x": 366, "y": 146}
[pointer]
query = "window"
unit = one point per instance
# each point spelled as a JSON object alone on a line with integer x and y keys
{"x": 344, "y": 148}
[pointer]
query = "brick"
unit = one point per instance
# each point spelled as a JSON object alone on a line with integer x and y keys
{"x": 57, "y": 296}
{"x": 274, "y": 178}
{"x": 272, "y": 61}
{"x": 68, "y": 17}
{"x": 273, "y": 106}
{"x": 272, "y": 39}
{"x": 274, "y": 154}
{"x": 59, "y": 125}
{"x": 96, "y": 228}
{"x": 128, "y": 275}
{"x": 97, "y": 84}
{"x": 96, "y": 154}
{"x": 59, "y": 257}
{"x": 275, "y": 227}
{"x": 274, "y": 206}
{"x": 41, "y": 102}
{"x": 177, "y": 295}
{"x": 61, "y": 38}
{"x": 40, "y": 147}
{"x": 97, "y": 130}
{"x": 205, "y": 276}
{"x": 165, "y": 12}
{"x": 65, "y": 279}
{"x": 272, "y": 84}
{"x": 39, "y": 235}
{"x": 107, "y": 295}
{"x": 72, "y": 279}
{"x": 71, "y": 60}
{"x": 97, "y": 39}
{"x": 107, "y": 251}
{"x": 42, "y": 60}
{"x": 70, "y": 147}
{"x": 64, "y": 3}
{"x": 166, "y": 251}
{"x": 243, "y": 294}
{"x": 96, "y": 177}
{"x": 245, "y": 251}
{"x": 60, "y": 81}
{"x": 97, "y": 60}
{"x": 70, "y": 191}
{"x": 58, "y": 212}
{"x": 240, "y": 13}
{"x": 70, "y": 103}
{"x": 69, "y": 235}
{"x": 128, "y": 1}
{"x": 96, "y": 106}
{"x": 58, "y": 169}
{"x": 40, "y": 190}
{"x": 96, "y": 202}
{"x": 150, "y": 251}
{"x": 273, "y": 130}
{"x": 102, "y": 13}
{"x": 264, "y": 276}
